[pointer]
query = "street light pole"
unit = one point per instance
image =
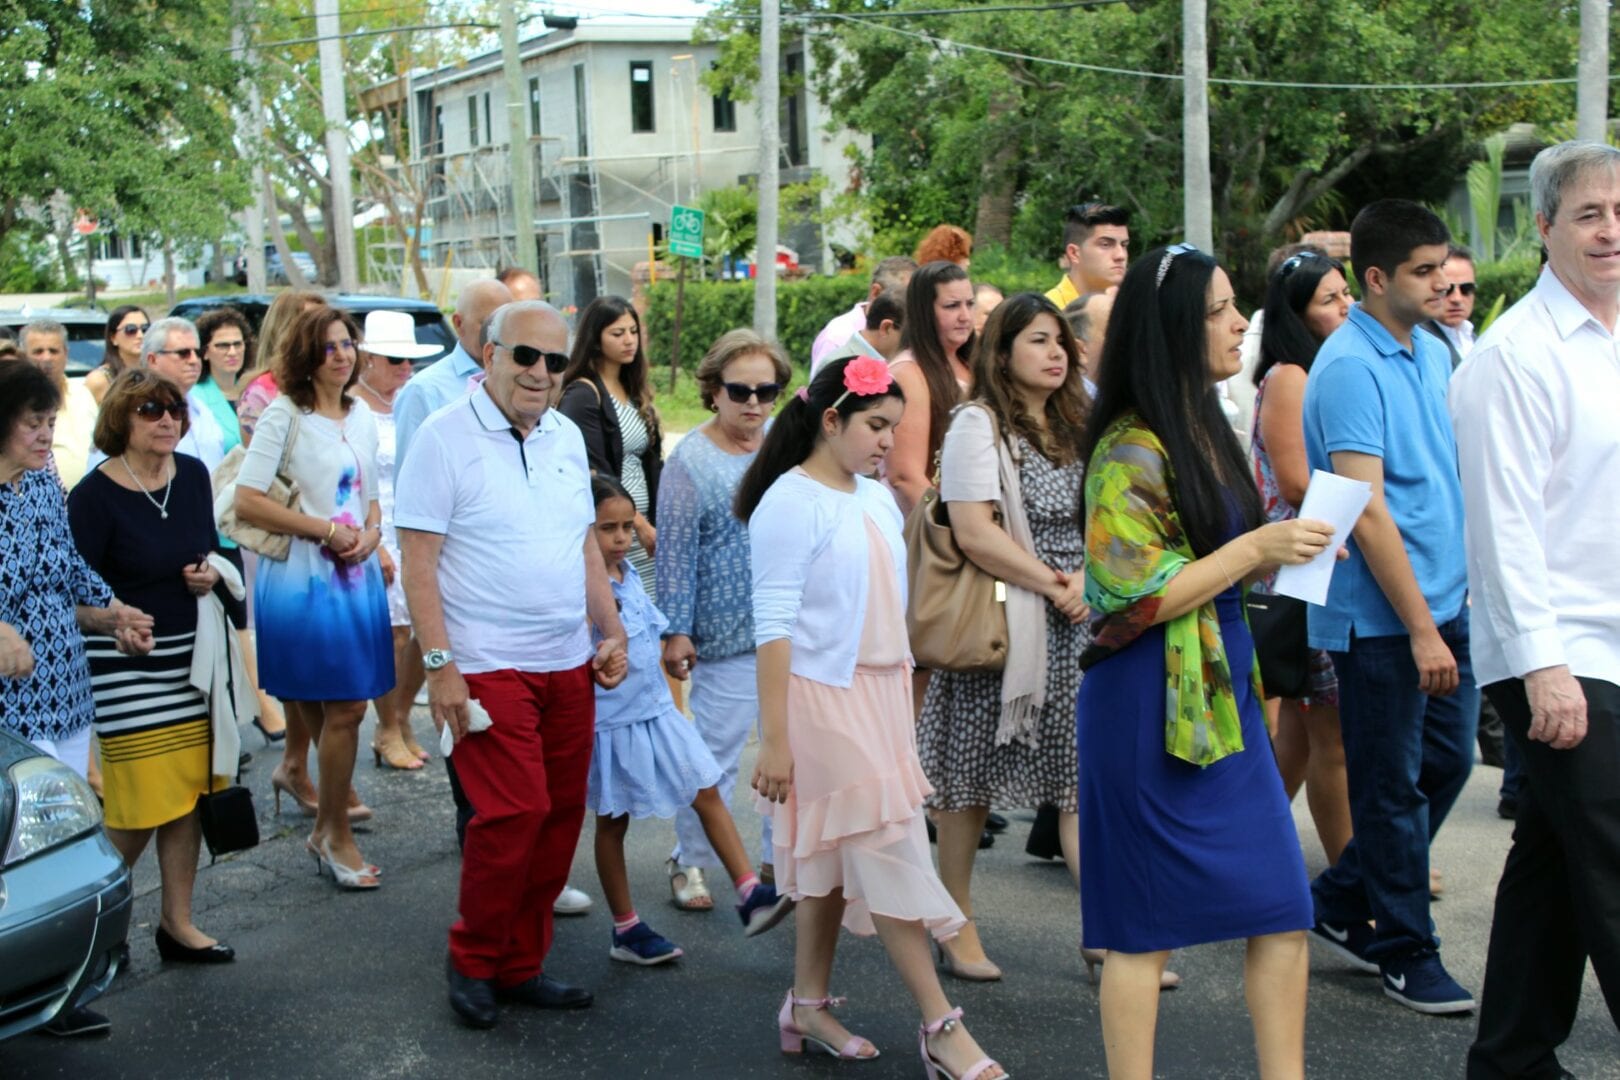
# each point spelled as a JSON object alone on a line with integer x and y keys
{"x": 1200, "y": 224}
{"x": 518, "y": 144}
{"x": 770, "y": 96}
{"x": 1592, "y": 73}
{"x": 336, "y": 113}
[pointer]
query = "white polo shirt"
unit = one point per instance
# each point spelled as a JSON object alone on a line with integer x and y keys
{"x": 514, "y": 516}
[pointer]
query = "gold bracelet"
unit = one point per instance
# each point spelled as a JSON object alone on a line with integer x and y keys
{"x": 331, "y": 531}
{"x": 1222, "y": 564}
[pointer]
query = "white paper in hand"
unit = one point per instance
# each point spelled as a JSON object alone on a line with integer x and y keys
{"x": 478, "y": 719}
{"x": 1339, "y": 501}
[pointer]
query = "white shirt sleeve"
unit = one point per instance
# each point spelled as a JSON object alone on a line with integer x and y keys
{"x": 425, "y": 486}
{"x": 782, "y": 538}
{"x": 969, "y": 465}
{"x": 410, "y": 409}
{"x": 1503, "y": 417}
{"x": 365, "y": 438}
{"x": 263, "y": 457}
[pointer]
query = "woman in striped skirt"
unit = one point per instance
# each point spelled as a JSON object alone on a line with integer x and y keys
{"x": 144, "y": 521}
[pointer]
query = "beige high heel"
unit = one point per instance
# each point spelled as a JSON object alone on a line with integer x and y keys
{"x": 967, "y": 970}
{"x": 1093, "y": 959}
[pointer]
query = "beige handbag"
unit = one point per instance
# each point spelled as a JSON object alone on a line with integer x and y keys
{"x": 283, "y": 490}
{"x": 956, "y": 614}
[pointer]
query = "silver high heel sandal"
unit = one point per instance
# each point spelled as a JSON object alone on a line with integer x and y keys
{"x": 937, "y": 1071}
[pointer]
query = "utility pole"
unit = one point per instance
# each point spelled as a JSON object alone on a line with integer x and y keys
{"x": 770, "y": 111}
{"x": 1200, "y": 218}
{"x": 1592, "y": 73}
{"x": 336, "y": 113}
{"x": 247, "y": 138}
{"x": 518, "y": 144}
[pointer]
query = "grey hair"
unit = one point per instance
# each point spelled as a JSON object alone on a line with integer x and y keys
{"x": 42, "y": 326}
{"x": 1560, "y": 165}
{"x": 495, "y": 326}
{"x": 894, "y": 272}
{"x": 157, "y": 335}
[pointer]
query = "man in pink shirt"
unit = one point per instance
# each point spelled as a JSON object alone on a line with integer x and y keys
{"x": 892, "y": 273}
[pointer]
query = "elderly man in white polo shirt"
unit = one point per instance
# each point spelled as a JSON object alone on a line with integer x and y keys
{"x": 1538, "y": 447}
{"x": 505, "y": 583}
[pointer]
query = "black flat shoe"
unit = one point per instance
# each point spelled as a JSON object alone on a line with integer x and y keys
{"x": 544, "y": 992}
{"x": 270, "y": 736}
{"x": 472, "y": 999}
{"x": 175, "y": 953}
{"x": 994, "y": 822}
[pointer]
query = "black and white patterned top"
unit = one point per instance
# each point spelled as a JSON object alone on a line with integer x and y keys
{"x": 42, "y": 578}
{"x": 633, "y": 429}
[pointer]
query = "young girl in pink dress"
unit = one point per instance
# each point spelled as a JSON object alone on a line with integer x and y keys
{"x": 837, "y": 769}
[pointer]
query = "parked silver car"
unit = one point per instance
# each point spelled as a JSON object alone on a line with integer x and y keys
{"x": 65, "y": 894}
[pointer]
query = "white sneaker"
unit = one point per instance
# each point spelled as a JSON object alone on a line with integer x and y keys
{"x": 571, "y": 902}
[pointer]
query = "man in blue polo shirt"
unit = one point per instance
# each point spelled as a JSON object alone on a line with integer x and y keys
{"x": 1396, "y": 620}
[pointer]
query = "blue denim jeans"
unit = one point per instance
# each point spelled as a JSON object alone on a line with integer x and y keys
{"x": 1407, "y": 756}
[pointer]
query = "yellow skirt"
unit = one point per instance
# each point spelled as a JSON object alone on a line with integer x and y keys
{"x": 150, "y": 778}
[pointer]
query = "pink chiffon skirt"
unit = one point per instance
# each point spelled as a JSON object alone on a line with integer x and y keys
{"x": 854, "y": 818}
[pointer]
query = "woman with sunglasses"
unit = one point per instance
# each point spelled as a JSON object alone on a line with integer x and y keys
{"x": 324, "y": 643}
{"x": 386, "y": 353}
{"x": 126, "y": 327}
{"x": 1307, "y": 299}
{"x": 606, "y": 391}
{"x": 705, "y": 584}
{"x": 144, "y": 521}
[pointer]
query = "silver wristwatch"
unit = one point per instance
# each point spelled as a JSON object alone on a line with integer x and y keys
{"x": 434, "y": 659}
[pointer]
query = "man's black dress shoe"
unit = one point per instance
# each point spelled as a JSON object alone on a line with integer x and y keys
{"x": 544, "y": 992}
{"x": 175, "y": 953}
{"x": 472, "y": 999}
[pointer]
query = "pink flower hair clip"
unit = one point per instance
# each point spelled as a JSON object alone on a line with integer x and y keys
{"x": 804, "y": 394}
{"x": 863, "y": 377}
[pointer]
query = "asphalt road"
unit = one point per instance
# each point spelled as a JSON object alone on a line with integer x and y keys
{"x": 352, "y": 986}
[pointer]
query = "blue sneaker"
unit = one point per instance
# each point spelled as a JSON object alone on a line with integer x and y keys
{"x": 643, "y": 945}
{"x": 763, "y": 910}
{"x": 1349, "y": 943}
{"x": 1419, "y": 981}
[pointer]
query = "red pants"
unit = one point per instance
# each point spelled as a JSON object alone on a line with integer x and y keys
{"x": 527, "y": 776}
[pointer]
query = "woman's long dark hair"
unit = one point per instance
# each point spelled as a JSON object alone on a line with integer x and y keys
{"x": 920, "y": 335}
{"x": 598, "y": 315}
{"x": 793, "y": 435}
{"x": 1156, "y": 363}
{"x": 109, "y": 348}
{"x": 1284, "y": 337}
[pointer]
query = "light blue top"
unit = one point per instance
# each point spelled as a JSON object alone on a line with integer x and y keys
{"x": 704, "y": 580}
{"x": 1369, "y": 394}
{"x": 428, "y": 391}
{"x": 644, "y": 694}
{"x": 212, "y": 396}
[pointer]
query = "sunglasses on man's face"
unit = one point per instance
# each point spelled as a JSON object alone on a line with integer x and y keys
{"x": 740, "y": 392}
{"x": 1465, "y": 287}
{"x": 184, "y": 354}
{"x": 152, "y": 410}
{"x": 527, "y": 356}
{"x": 133, "y": 328}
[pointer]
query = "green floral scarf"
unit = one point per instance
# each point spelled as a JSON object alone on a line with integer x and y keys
{"x": 1134, "y": 546}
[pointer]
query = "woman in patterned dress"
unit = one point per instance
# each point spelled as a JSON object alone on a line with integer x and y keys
{"x": 607, "y": 392}
{"x": 1307, "y": 300}
{"x": 1011, "y": 483}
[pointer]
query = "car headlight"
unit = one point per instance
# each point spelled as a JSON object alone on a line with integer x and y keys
{"x": 53, "y": 806}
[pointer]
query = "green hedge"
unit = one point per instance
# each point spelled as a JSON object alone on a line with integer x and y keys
{"x": 713, "y": 307}
{"x": 1507, "y": 281}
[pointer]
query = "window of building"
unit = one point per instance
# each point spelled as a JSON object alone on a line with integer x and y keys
{"x": 472, "y": 120}
{"x": 641, "y": 96}
{"x": 489, "y": 128}
{"x": 534, "y": 107}
{"x": 725, "y": 110}
{"x": 582, "y": 118}
{"x": 795, "y": 122}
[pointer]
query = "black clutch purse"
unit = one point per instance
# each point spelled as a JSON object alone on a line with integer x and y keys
{"x": 229, "y": 822}
{"x": 1280, "y": 641}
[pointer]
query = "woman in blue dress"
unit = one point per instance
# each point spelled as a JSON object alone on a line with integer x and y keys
{"x": 324, "y": 641}
{"x": 1185, "y": 832}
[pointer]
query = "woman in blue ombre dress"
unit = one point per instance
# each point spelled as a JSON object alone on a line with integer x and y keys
{"x": 324, "y": 643}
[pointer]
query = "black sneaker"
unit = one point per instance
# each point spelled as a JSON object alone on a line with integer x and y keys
{"x": 1507, "y": 808}
{"x": 1420, "y": 982}
{"x": 77, "y": 1022}
{"x": 1349, "y": 943}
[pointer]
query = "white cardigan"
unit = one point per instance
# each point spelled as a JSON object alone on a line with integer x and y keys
{"x": 808, "y": 546}
{"x": 218, "y": 671}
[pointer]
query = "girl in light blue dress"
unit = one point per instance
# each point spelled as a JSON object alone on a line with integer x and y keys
{"x": 649, "y": 760}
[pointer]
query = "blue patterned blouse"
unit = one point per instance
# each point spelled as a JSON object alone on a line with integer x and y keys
{"x": 705, "y": 584}
{"x": 42, "y": 578}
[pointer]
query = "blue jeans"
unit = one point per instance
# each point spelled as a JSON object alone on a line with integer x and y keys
{"x": 1407, "y": 757}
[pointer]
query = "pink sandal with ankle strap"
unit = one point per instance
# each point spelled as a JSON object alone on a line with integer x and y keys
{"x": 937, "y": 1071}
{"x": 795, "y": 1039}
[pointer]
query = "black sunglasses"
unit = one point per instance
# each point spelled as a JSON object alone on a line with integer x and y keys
{"x": 151, "y": 410}
{"x": 184, "y": 354}
{"x": 1465, "y": 287}
{"x": 767, "y": 392}
{"x": 528, "y": 356}
{"x": 1294, "y": 262}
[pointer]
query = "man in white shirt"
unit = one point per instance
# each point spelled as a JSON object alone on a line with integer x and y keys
{"x": 1533, "y": 407}
{"x": 44, "y": 344}
{"x": 170, "y": 348}
{"x": 879, "y": 337}
{"x": 890, "y": 275}
{"x": 445, "y": 380}
{"x": 505, "y": 582}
